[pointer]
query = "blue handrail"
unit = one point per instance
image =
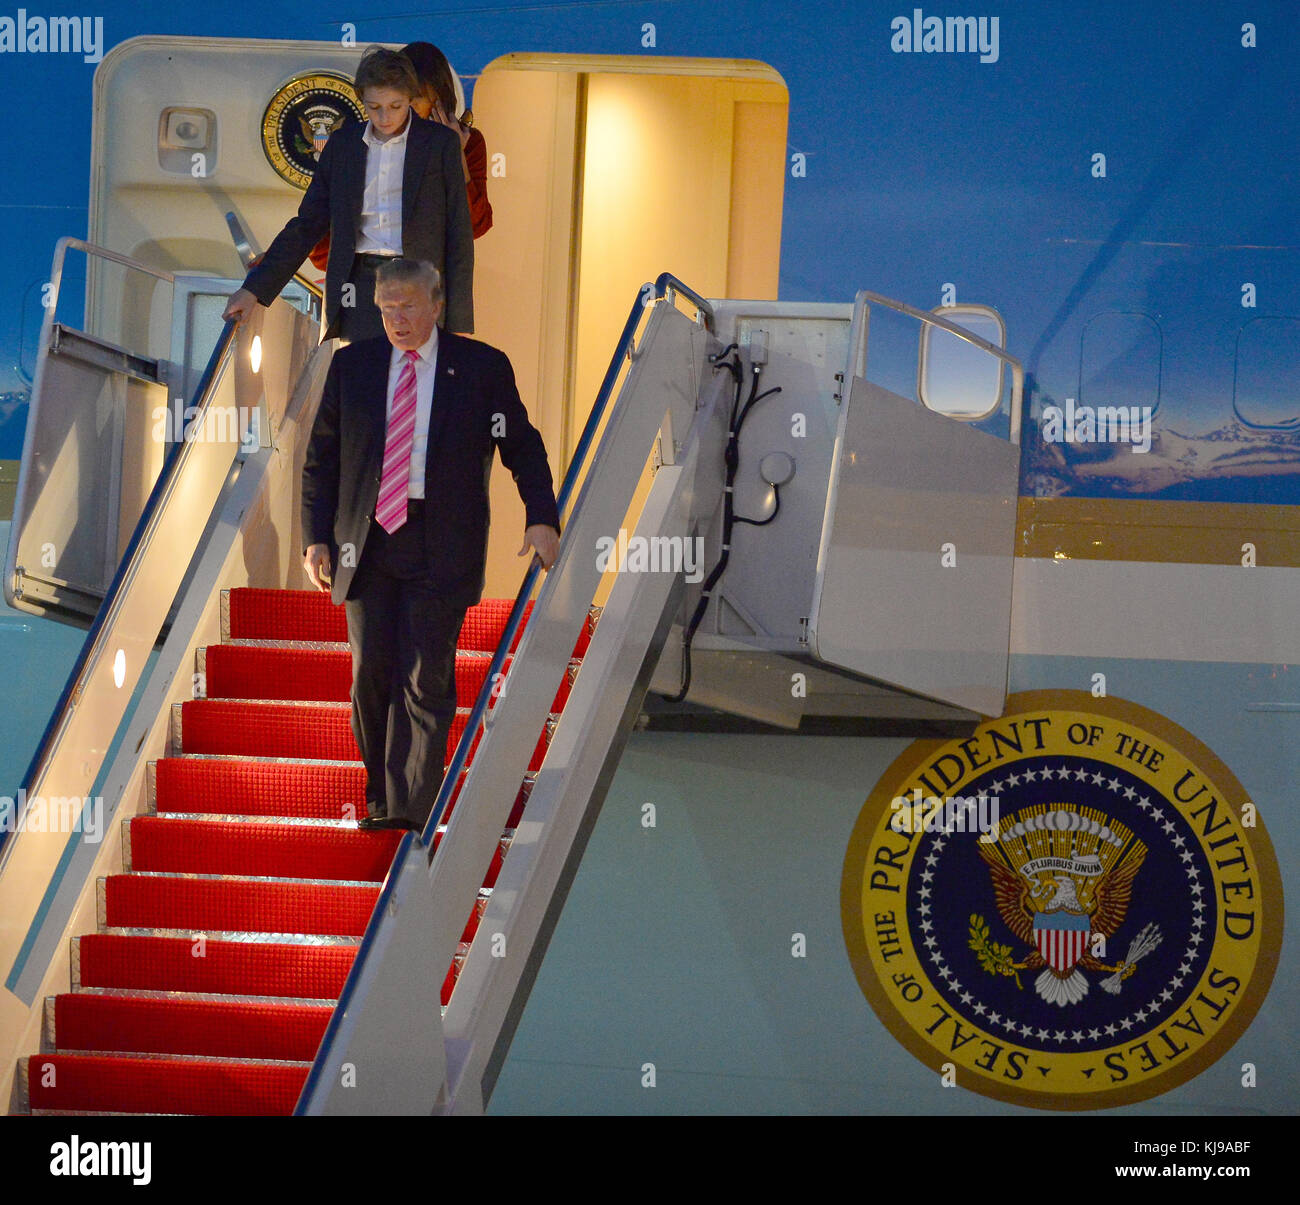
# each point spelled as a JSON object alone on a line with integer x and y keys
{"x": 665, "y": 282}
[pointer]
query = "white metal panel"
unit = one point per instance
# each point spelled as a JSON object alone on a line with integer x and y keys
{"x": 1153, "y": 611}
{"x": 916, "y": 590}
{"x": 806, "y": 349}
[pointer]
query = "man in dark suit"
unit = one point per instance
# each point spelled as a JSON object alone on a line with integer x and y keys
{"x": 395, "y": 519}
{"x": 392, "y": 186}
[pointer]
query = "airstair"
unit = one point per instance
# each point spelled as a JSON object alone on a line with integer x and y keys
{"x": 214, "y": 934}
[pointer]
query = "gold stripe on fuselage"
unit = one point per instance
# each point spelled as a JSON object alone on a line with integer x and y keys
{"x": 1122, "y": 529}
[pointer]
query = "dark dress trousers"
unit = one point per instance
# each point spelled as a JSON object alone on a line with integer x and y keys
{"x": 435, "y": 221}
{"x": 406, "y": 592}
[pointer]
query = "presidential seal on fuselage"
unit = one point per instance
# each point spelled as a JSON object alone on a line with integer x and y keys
{"x": 1098, "y": 930}
{"x": 302, "y": 115}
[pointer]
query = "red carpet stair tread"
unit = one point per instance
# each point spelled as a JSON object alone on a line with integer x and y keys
{"x": 224, "y": 945}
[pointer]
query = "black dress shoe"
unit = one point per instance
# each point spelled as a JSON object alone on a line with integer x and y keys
{"x": 371, "y": 823}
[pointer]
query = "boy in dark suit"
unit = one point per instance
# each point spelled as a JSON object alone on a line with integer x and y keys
{"x": 394, "y": 186}
{"x": 395, "y": 519}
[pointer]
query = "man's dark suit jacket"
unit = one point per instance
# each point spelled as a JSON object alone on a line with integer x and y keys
{"x": 473, "y": 385}
{"x": 435, "y": 219}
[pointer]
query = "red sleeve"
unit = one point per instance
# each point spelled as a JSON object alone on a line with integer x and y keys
{"x": 320, "y": 254}
{"x": 480, "y": 209}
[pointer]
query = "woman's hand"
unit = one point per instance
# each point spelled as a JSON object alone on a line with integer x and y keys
{"x": 440, "y": 114}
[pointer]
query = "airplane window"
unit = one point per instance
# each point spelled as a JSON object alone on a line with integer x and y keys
{"x": 957, "y": 378}
{"x": 1266, "y": 378}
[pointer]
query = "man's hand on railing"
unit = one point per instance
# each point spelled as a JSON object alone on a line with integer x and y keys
{"x": 317, "y": 563}
{"x": 545, "y": 540}
{"x": 240, "y": 307}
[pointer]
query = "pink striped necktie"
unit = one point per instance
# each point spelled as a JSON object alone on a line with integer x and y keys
{"x": 390, "y": 510}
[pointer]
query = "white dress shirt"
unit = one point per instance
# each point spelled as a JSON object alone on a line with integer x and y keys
{"x": 425, "y": 368}
{"x": 379, "y": 231}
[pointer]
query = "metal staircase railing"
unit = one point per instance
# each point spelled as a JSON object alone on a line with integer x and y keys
{"x": 387, "y": 1025}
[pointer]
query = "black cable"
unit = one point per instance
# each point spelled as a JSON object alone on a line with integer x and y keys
{"x": 753, "y": 401}
{"x": 733, "y": 366}
{"x": 744, "y": 414}
{"x": 731, "y": 460}
{"x": 776, "y": 510}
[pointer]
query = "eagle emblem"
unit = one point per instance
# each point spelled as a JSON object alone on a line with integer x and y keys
{"x": 317, "y": 123}
{"x": 1062, "y": 879}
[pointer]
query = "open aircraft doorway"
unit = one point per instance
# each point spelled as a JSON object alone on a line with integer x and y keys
{"x": 604, "y": 171}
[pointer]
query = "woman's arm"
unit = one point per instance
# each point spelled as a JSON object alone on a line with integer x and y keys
{"x": 480, "y": 208}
